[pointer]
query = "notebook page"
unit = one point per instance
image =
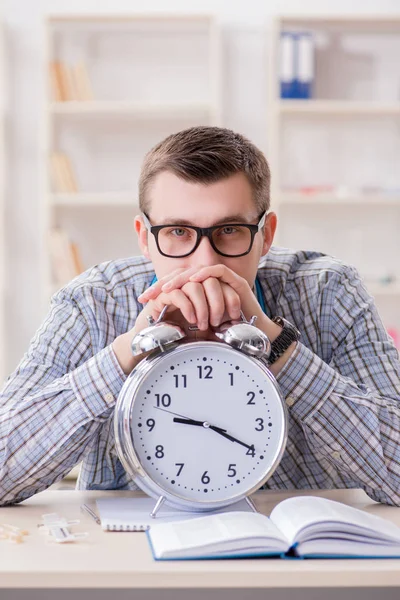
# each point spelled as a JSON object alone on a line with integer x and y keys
{"x": 133, "y": 513}
{"x": 294, "y": 514}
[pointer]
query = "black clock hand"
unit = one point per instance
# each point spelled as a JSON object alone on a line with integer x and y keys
{"x": 185, "y": 420}
{"x": 188, "y": 421}
{"x": 230, "y": 437}
{"x": 214, "y": 428}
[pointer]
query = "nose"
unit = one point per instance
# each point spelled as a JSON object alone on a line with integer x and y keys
{"x": 205, "y": 254}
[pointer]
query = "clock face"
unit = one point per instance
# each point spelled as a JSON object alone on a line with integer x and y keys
{"x": 207, "y": 422}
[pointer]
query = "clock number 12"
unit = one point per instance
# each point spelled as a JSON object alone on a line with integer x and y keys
{"x": 205, "y": 372}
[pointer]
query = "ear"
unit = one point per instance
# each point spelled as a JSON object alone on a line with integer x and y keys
{"x": 142, "y": 232}
{"x": 269, "y": 232}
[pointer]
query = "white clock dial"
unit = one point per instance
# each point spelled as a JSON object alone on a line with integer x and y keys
{"x": 207, "y": 423}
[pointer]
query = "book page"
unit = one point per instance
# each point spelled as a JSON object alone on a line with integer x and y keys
{"x": 296, "y": 517}
{"x": 226, "y": 532}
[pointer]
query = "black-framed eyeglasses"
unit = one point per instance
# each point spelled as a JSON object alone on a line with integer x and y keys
{"x": 230, "y": 239}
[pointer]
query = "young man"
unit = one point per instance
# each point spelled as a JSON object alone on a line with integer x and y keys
{"x": 206, "y": 234}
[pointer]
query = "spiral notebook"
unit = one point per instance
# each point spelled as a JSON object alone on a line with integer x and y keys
{"x": 122, "y": 513}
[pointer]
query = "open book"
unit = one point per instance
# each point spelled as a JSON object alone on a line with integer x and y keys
{"x": 302, "y": 527}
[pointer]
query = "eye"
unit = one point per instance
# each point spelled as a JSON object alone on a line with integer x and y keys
{"x": 179, "y": 232}
{"x": 228, "y": 230}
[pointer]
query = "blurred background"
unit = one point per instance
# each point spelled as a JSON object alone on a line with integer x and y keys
{"x": 87, "y": 87}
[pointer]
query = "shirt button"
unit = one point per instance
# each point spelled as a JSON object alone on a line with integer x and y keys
{"x": 290, "y": 401}
{"x": 109, "y": 397}
{"x": 336, "y": 455}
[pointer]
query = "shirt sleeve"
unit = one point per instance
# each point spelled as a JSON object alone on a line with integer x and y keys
{"x": 53, "y": 405}
{"x": 349, "y": 405}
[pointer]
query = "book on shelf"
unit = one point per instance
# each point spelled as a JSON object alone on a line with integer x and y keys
{"x": 65, "y": 259}
{"x": 62, "y": 173}
{"x": 55, "y": 82}
{"x": 76, "y": 258}
{"x": 70, "y": 83}
{"x": 296, "y": 65}
{"x": 299, "y": 527}
{"x": 83, "y": 85}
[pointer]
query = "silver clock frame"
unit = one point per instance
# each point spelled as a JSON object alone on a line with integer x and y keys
{"x": 125, "y": 444}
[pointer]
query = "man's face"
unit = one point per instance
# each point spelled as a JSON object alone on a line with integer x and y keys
{"x": 173, "y": 200}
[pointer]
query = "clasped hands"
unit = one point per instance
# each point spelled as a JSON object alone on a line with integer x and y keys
{"x": 204, "y": 296}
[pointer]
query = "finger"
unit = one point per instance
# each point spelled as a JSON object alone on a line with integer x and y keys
{"x": 222, "y": 273}
{"x": 215, "y": 300}
{"x": 232, "y": 301}
{"x": 154, "y": 290}
{"x": 176, "y": 300}
{"x": 195, "y": 292}
{"x": 179, "y": 279}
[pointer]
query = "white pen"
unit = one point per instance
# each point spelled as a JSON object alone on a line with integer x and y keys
{"x": 91, "y": 512}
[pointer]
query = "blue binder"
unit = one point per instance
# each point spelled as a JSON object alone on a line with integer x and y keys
{"x": 304, "y": 69}
{"x": 287, "y": 65}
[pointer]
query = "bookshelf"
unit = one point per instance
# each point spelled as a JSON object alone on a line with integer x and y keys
{"x": 335, "y": 184}
{"x": 337, "y": 107}
{"x": 115, "y": 86}
{"x": 3, "y": 343}
{"x": 135, "y": 110}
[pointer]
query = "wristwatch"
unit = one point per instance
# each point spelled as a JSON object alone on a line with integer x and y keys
{"x": 288, "y": 335}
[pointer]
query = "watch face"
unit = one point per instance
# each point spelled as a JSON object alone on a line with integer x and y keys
{"x": 206, "y": 422}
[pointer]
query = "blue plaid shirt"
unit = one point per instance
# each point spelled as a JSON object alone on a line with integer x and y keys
{"x": 341, "y": 384}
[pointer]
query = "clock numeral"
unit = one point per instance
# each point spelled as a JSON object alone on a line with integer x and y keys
{"x": 251, "y": 452}
{"x": 164, "y": 400}
{"x": 150, "y": 424}
{"x": 176, "y": 377}
{"x": 231, "y": 377}
{"x": 231, "y": 470}
{"x": 159, "y": 451}
{"x": 252, "y": 396}
{"x": 205, "y": 478}
{"x": 260, "y": 423}
{"x": 180, "y": 465}
{"x": 205, "y": 372}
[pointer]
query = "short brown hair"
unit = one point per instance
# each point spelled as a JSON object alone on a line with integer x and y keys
{"x": 207, "y": 155}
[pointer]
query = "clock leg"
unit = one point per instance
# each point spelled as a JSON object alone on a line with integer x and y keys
{"x": 251, "y": 503}
{"x": 158, "y": 505}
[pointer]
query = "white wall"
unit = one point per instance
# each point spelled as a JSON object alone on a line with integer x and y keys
{"x": 244, "y": 34}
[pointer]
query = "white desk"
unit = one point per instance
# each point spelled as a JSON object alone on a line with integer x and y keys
{"x": 123, "y": 560}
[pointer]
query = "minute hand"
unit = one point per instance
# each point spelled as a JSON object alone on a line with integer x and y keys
{"x": 219, "y": 430}
{"x": 230, "y": 437}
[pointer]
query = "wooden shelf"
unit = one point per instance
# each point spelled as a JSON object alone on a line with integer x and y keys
{"x": 141, "y": 111}
{"x": 355, "y": 22}
{"x": 324, "y": 199}
{"x": 95, "y": 199}
{"x": 337, "y": 107}
{"x": 77, "y": 18}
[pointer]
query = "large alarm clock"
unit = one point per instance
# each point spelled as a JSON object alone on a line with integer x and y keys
{"x": 200, "y": 424}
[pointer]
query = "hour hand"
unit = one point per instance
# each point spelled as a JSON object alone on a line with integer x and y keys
{"x": 188, "y": 421}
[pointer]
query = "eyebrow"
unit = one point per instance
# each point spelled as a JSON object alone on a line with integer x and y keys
{"x": 230, "y": 219}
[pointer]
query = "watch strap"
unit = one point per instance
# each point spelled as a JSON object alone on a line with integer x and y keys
{"x": 288, "y": 335}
